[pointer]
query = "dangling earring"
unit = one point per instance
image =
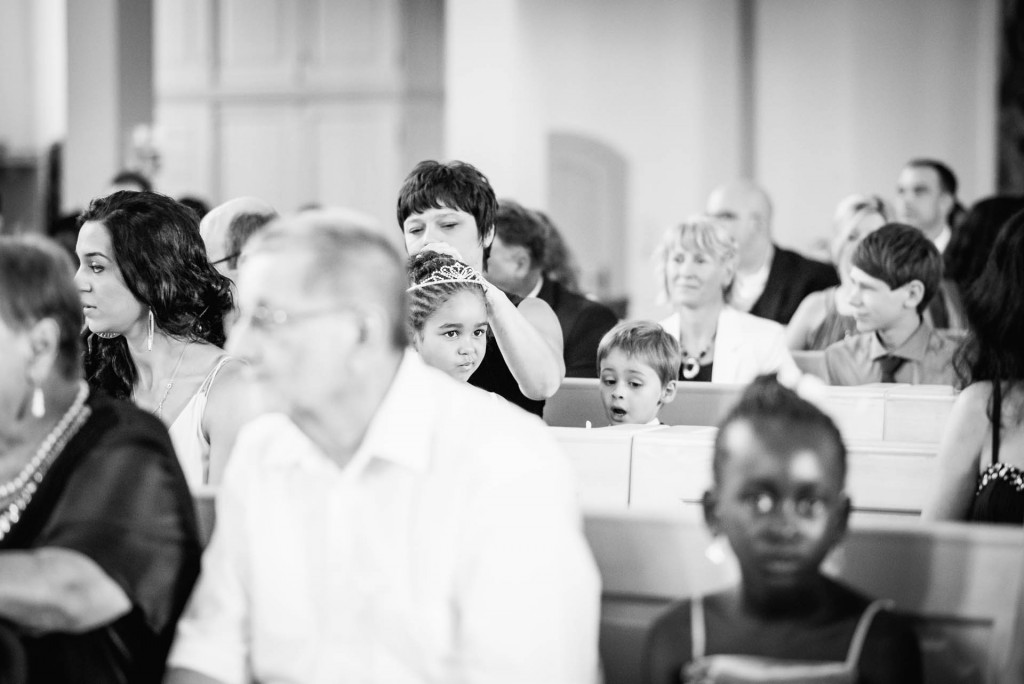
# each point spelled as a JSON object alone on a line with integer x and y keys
{"x": 152, "y": 325}
{"x": 716, "y": 550}
{"x": 38, "y": 407}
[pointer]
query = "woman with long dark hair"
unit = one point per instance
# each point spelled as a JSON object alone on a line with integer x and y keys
{"x": 154, "y": 308}
{"x": 981, "y": 455}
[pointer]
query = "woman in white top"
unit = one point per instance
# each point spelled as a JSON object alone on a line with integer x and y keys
{"x": 154, "y": 308}
{"x": 696, "y": 263}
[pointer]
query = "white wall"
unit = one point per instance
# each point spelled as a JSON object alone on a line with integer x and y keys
{"x": 34, "y": 82}
{"x": 844, "y": 92}
{"x": 849, "y": 90}
{"x": 656, "y": 81}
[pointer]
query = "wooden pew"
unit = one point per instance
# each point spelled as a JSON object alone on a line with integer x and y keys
{"x": 960, "y": 584}
{"x": 670, "y": 468}
{"x": 904, "y": 413}
{"x": 602, "y": 459}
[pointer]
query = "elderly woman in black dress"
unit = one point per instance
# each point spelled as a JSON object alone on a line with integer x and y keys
{"x": 98, "y": 541}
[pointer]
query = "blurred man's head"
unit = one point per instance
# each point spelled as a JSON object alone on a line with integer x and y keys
{"x": 519, "y": 248}
{"x": 322, "y": 313}
{"x": 926, "y": 196}
{"x": 746, "y": 211}
{"x": 227, "y": 227}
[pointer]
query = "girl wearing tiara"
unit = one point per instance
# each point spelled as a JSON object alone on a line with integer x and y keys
{"x": 447, "y": 313}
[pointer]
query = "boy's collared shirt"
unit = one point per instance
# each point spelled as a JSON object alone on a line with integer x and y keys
{"x": 927, "y": 355}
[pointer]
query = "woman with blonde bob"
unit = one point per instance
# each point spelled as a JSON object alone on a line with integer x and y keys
{"x": 696, "y": 264}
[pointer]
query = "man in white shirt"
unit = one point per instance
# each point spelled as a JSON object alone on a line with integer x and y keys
{"x": 388, "y": 524}
{"x": 926, "y": 199}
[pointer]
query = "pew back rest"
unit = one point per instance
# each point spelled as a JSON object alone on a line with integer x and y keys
{"x": 905, "y": 413}
{"x": 670, "y": 468}
{"x": 960, "y": 584}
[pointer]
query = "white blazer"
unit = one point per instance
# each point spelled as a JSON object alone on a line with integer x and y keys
{"x": 746, "y": 346}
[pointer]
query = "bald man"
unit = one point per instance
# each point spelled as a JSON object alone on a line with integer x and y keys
{"x": 770, "y": 281}
{"x": 227, "y": 227}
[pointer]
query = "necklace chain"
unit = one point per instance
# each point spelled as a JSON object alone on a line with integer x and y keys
{"x": 16, "y": 494}
{"x": 170, "y": 383}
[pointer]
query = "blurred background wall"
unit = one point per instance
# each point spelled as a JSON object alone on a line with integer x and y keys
{"x": 615, "y": 116}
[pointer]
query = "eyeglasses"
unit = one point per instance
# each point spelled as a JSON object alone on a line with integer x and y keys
{"x": 265, "y": 318}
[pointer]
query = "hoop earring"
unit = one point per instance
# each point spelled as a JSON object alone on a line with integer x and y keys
{"x": 38, "y": 407}
{"x": 152, "y": 325}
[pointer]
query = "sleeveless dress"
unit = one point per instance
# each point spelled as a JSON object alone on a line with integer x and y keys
{"x": 190, "y": 442}
{"x": 999, "y": 497}
{"x": 834, "y": 327}
{"x": 494, "y": 375}
{"x": 740, "y": 669}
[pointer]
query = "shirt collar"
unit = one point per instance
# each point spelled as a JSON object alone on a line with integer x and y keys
{"x": 913, "y": 349}
{"x": 399, "y": 429}
{"x": 396, "y": 433}
{"x": 536, "y": 288}
{"x": 942, "y": 239}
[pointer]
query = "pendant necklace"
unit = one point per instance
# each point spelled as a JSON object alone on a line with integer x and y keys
{"x": 692, "y": 364}
{"x": 170, "y": 383}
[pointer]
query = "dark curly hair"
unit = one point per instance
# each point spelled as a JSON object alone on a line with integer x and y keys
{"x": 424, "y": 301}
{"x": 994, "y": 304}
{"x": 454, "y": 184}
{"x": 160, "y": 253}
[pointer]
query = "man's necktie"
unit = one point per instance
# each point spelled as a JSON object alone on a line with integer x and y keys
{"x": 890, "y": 364}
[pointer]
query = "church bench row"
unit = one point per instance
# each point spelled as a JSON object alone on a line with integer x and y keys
{"x": 905, "y": 413}
{"x": 670, "y": 468}
{"x": 961, "y": 585}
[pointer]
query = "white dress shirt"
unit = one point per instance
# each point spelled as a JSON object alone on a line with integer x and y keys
{"x": 448, "y": 550}
{"x": 941, "y": 240}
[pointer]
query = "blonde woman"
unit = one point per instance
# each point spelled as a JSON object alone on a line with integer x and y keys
{"x": 696, "y": 264}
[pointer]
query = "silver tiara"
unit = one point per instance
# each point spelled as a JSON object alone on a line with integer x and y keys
{"x": 450, "y": 273}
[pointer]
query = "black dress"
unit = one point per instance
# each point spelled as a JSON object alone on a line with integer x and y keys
{"x": 1000, "y": 494}
{"x": 116, "y": 494}
{"x": 494, "y": 375}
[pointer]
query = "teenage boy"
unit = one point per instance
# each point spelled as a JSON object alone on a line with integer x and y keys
{"x": 895, "y": 273}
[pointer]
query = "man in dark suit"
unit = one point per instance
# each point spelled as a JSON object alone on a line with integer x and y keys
{"x": 770, "y": 281}
{"x": 517, "y": 265}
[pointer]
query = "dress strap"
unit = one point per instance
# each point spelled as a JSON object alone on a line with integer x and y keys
{"x": 204, "y": 389}
{"x": 698, "y": 637}
{"x": 863, "y": 626}
{"x": 997, "y": 422}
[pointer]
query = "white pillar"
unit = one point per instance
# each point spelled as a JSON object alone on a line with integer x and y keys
{"x": 110, "y": 91}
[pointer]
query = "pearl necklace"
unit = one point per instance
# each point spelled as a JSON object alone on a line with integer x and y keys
{"x": 16, "y": 494}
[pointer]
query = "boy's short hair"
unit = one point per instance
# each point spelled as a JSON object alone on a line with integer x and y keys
{"x": 896, "y": 254}
{"x": 456, "y": 185}
{"x": 781, "y": 419}
{"x": 646, "y": 341}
